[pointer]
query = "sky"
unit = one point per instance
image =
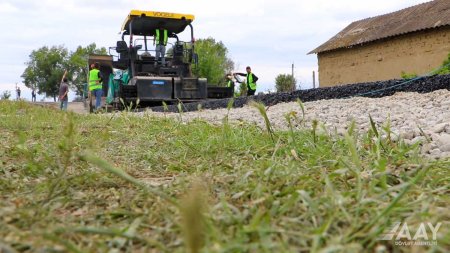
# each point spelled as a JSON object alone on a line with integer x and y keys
{"x": 267, "y": 35}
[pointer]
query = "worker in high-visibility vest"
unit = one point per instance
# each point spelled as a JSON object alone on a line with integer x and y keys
{"x": 96, "y": 84}
{"x": 161, "y": 38}
{"x": 250, "y": 80}
{"x": 230, "y": 82}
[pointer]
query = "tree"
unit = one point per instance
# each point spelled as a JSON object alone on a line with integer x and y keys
{"x": 213, "y": 61}
{"x": 5, "y": 95}
{"x": 45, "y": 69}
{"x": 285, "y": 83}
{"x": 78, "y": 65}
{"x": 47, "y": 65}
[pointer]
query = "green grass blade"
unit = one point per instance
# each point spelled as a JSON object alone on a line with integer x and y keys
{"x": 374, "y": 127}
{"x": 263, "y": 112}
{"x": 166, "y": 108}
{"x": 302, "y": 107}
{"x": 69, "y": 246}
{"x": 102, "y": 164}
{"x": 230, "y": 104}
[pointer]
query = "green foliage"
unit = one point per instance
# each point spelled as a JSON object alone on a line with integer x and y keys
{"x": 242, "y": 89}
{"x": 89, "y": 183}
{"x": 445, "y": 70}
{"x": 5, "y": 95}
{"x": 285, "y": 83}
{"x": 47, "y": 65}
{"x": 262, "y": 110}
{"x": 45, "y": 69}
{"x": 78, "y": 65}
{"x": 408, "y": 76}
{"x": 213, "y": 61}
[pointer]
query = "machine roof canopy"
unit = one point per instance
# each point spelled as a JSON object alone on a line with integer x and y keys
{"x": 146, "y": 22}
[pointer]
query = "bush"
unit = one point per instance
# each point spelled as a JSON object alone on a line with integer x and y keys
{"x": 6, "y": 95}
{"x": 408, "y": 76}
{"x": 285, "y": 83}
{"x": 445, "y": 67}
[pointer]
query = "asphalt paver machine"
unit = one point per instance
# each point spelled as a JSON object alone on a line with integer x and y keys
{"x": 145, "y": 79}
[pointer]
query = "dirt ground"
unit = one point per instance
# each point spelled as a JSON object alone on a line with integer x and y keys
{"x": 77, "y": 107}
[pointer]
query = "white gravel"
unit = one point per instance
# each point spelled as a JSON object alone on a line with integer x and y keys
{"x": 407, "y": 112}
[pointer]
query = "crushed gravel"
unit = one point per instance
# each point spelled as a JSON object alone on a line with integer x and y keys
{"x": 414, "y": 117}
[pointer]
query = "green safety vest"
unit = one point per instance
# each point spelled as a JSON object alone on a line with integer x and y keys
{"x": 94, "y": 80}
{"x": 250, "y": 82}
{"x": 157, "y": 38}
{"x": 229, "y": 83}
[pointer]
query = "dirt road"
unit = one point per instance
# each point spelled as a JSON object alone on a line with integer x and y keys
{"x": 77, "y": 107}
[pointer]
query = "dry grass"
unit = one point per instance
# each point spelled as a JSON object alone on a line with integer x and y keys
{"x": 95, "y": 183}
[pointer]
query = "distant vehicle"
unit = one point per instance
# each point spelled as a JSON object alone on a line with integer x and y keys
{"x": 143, "y": 78}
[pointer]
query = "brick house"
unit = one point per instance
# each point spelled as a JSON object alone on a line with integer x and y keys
{"x": 412, "y": 40}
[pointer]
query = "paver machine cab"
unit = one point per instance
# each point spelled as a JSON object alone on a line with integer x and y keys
{"x": 147, "y": 79}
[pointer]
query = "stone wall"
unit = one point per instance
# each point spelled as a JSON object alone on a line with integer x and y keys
{"x": 418, "y": 53}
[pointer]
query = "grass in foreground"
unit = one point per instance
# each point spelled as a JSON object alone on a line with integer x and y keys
{"x": 90, "y": 183}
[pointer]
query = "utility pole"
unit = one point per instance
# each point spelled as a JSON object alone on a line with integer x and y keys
{"x": 292, "y": 74}
{"x": 314, "y": 79}
{"x": 292, "y": 69}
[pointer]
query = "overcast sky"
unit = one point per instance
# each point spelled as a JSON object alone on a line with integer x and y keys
{"x": 268, "y": 35}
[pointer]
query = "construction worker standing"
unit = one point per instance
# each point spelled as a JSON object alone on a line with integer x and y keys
{"x": 63, "y": 92}
{"x": 95, "y": 84}
{"x": 18, "y": 93}
{"x": 250, "y": 81}
{"x": 161, "y": 37}
{"x": 33, "y": 95}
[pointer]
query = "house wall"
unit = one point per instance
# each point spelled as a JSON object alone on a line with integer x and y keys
{"x": 418, "y": 53}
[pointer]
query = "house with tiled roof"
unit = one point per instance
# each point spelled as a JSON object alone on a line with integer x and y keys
{"x": 413, "y": 40}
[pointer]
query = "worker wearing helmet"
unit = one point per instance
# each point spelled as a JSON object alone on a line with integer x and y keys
{"x": 161, "y": 37}
{"x": 250, "y": 81}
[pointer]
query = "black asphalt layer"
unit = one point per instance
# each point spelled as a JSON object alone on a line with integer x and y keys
{"x": 372, "y": 89}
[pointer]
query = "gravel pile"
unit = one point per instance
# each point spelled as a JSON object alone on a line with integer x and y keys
{"x": 415, "y": 117}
